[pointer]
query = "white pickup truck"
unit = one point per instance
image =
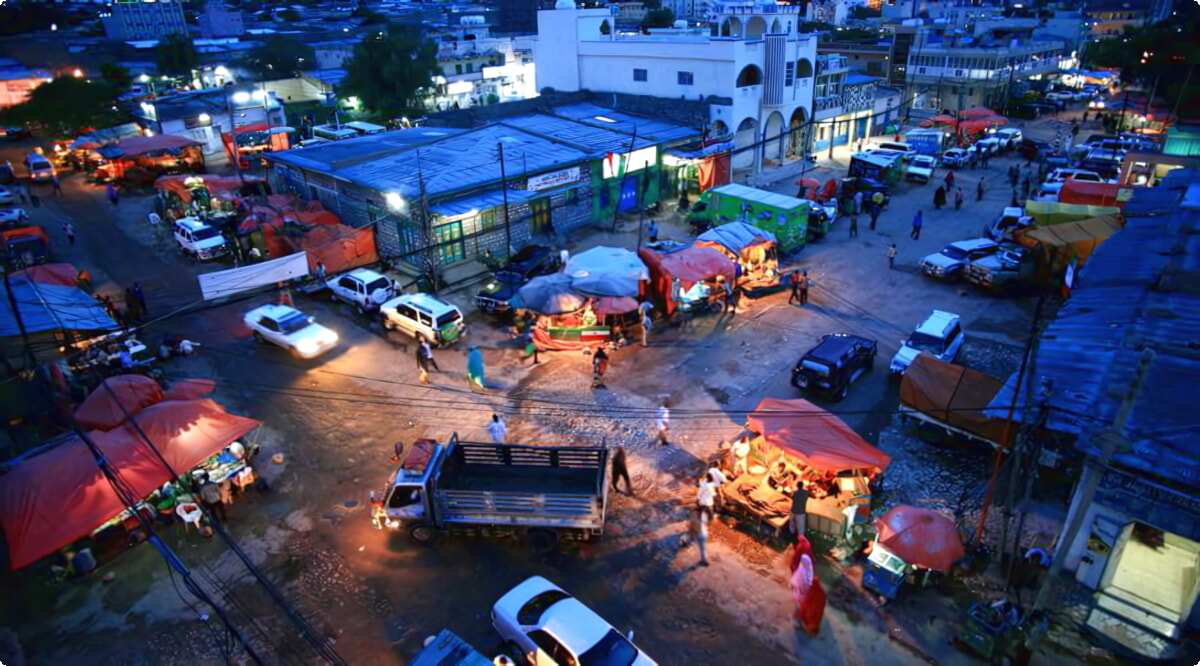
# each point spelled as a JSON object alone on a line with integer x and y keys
{"x": 365, "y": 289}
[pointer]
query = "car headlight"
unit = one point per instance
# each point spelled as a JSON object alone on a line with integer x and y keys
{"x": 329, "y": 337}
{"x": 307, "y": 346}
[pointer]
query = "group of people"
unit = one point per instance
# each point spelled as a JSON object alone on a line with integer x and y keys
{"x": 860, "y": 204}
{"x": 132, "y": 309}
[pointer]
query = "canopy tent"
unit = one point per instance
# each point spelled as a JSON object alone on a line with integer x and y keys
{"x": 120, "y": 396}
{"x": 613, "y": 306}
{"x": 820, "y": 439}
{"x": 64, "y": 275}
{"x": 1072, "y": 240}
{"x": 1094, "y": 194}
{"x": 605, "y": 260}
{"x": 177, "y": 184}
{"x": 734, "y": 237}
{"x": 921, "y": 537}
{"x": 952, "y": 394}
{"x": 1046, "y": 213}
{"x": 687, "y": 266}
{"x": 49, "y": 500}
{"x": 50, "y": 307}
{"x": 137, "y": 146}
{"x": 607, "y": 285}
{"x": 549, "y": 295}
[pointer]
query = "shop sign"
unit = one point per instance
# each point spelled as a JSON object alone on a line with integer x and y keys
{"x": 546, "y": 181}
{"x": 1115, "y": 485}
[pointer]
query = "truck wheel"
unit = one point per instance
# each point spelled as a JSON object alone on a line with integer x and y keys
{"x": 844, "y": 391}
{"x": 422, "y": 533}
{"x": 542, "y": 542}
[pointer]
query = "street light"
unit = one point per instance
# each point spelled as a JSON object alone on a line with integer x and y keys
{"x": 395, "y": 201}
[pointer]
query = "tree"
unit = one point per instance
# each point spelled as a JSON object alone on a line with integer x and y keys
{"x": 116, "y": 74}
{"x": 279, "y": 57}
{"x": 864, "y": 12}
{"x": 392, "y": 72}
{"x": 659, "y": 18}
{"x": 67, "y": 105}
{"x": 176, "y": 55}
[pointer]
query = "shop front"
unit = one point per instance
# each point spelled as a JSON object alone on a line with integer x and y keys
{"x": 697, "y": 167}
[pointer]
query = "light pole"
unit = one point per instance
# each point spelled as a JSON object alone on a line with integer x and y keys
{"x": 237, "y": 154}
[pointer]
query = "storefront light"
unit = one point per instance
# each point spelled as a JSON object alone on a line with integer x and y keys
{"x": 394, "y": 201}
{"x": 241, "y": 97}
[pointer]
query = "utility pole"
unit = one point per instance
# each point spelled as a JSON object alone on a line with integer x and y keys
{"x": 504, "y": 194}
{"x": 1110, "y": 440}
{"x": 237, "y": 153}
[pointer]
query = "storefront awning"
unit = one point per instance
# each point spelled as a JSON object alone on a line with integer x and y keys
{"x": 464, "y": 206}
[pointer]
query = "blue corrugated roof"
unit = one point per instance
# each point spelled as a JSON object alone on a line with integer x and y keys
{"x": 50, "y": 307}
{"x": 1137, "y": 292}
{"x": 655, "y": 131}
{"x": 465, "y": 205}
{"x": 857, "y": 79}
{"x": 333, "y": 77}
{"x": 588, "y": 138}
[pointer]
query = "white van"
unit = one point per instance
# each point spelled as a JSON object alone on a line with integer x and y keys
{"x": 40, "y": 169}
{"x": 900, "y": 147}
{"x": 364, "y": 128}
{"x": 331, "y": 133}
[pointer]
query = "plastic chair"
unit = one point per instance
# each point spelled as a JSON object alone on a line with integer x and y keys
{"x": 190, "y": 513}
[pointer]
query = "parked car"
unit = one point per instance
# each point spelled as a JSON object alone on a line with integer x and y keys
{"x": 1061, "y": 175}
{"x": 1096, "y": 104}
{"x": 7, "y": 175}
{"x": 1008, "y": 221}
{"x": 1032, "y": 149}
{"x": 40, "y": 169}
{"x": 11, "y": 218}
{"x": 986, "y": 146}
{"x": 199, "y": 241}
{"x": 15, "y": 133}
{"x": 552, "y": 627}
{"x": 956, "y": 158}
{"x": 920, "y": 169}
{"x": 837, "y": 361}
{"x": 424, "y": 317}
{"x": 1009, "y": 137}
{"x": 868, "y": 186}
{"x": 1059, "y": 96}
{"x": 291, "y": 329}
{"x": 365, "y": 289}
{"x": 530, "y": 262}
{"x": 940, "y": 335}
{"x": 952, "y": 260}
{"x": 7, "y": 198}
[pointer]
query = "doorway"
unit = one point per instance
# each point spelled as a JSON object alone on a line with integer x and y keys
{"x": 539, "y": 211}
{"x": 450, "y": 243}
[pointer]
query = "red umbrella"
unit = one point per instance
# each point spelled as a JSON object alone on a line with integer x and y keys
{"x": 977, "y": 112}
{"x": 921, "y": 537}
{"x": 944, "y": 120}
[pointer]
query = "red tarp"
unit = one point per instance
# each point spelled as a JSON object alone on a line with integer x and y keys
{"x": 65, "y": 275}
{"x": 820, "y": 439}
{"x": 541, "y": 338}
{"x": 953, "y": 395}
{"x": 214, "y": 184}
{"x": 690, "y": 265}
{"x": 1094, "y": 194}
{"x": 109, "y": 404}
{"x": 613, "y": 305}
{"x": 922, "y": 537}
{"x": 136, "y": 146}
{"x": 54, "y": 498}
{"x": 714, "y": 171}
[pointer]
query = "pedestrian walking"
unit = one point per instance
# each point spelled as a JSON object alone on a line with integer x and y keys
{"x": 422, "y": 367}
{"x": 939, "y": 198}
{"x": 892, "y": 257}
{"x": 854, "y": 225}
{"x": 798, "y": 520}
{"x": 620, "y": 470}
{"x": 795, "y": 280}
{"x": 652, "y": 231}
{"x": 475, "y": 368}
{"x": 1085, "y": 117}
{"x": 111, "y": 193}
{"x": 986, "y": 158}
{"x": 706, "y": 495}
{"x": 35, "y": 200}
{"x": 915, "y": 234}
{"x": 69, "y": 230}
{"x": 858, "y": 202}
{"x": 1014, "y": 173}
{"x": 662, "y": 423}
{"x": 141, "y": 297}
{"x": 531, "y": 349}
{"x": 497, "y": 429}
{"x": 427, "y": 354}
{"x": 647, "y": 324}
{"x": 702, "y": 539}
{"x": 730, "y": 300}
{"x": 320, "y": 270}
{"x": 1026, "y": 187}
{"x": 949, "y": 180}
{"x": 21, "y": 195}
{"x": 210, "y": 496}
{"x": 717, "y": 478}
{"x": 132, "y": 307}
{"x": 980, "y": 189}
{"x": 958, "y": 198}
{"x": 599, "y": 367}
{"x": 57, "y": 186}
{"x": 83, "y": 280}
{"x": 805, "y": 283}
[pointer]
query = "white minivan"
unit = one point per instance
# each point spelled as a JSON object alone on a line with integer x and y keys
{"x": 40, "y": 169}
{"x": 899, "y": 146}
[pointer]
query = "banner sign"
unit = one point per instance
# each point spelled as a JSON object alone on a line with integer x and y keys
{"x": 546, "y": 181}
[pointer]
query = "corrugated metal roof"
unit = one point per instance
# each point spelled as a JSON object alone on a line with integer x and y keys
{"x": 1137, "y": 292}
{"x": 465, "y": 205}
{"x": 588, "y": 138}
{"x": 653, "y": 130}
{"x": 781, "y": 201}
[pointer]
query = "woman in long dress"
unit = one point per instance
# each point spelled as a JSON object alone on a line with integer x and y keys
{"x": 806, "y": 588}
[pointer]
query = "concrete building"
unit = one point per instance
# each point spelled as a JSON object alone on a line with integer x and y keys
{"x": 334, "y": 54}
{"x": 689, "y": 10}
{"x": 138, "y": 19}
{"x": 204, "y": 115}
{"x": 221, "y": 20}
{"x": 752, "y": 66}
{"x": 1110, "y": 18}
{"x": 873, "y": 59}
{"x": 833, "y": 12}
{"x": 487, "y": 70}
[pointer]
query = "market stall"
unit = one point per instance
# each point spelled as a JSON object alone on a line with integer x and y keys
{"x": 685, "y": 279}
{"x": 752, "y": 248}
{"x": 153, "y": 155}
{"x": 790, "y": 443}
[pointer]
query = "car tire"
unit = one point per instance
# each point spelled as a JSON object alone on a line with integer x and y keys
{"x": 422, "y": 533}
{"x": 387, "y": 325}
{"x": 259, "y": 338}
{"x": 843, "y": 392}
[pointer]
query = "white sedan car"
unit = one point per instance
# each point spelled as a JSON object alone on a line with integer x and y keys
{"x": 291, "y": 329}
{"x": 552, "y": 627}
{"x": 7, "y": 198}
{"x": 13, "y": 217}
{"x": 920, "y": 169}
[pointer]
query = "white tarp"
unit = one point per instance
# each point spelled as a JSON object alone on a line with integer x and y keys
{"x": 236, "y": 280}
{"x": 604, "y": 260}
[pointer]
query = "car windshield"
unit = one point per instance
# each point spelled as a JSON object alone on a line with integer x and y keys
{"x": 954, "y": 252}
{"x": 612, "y": 650}
{"x": 381, "y": 283}
{"x": 924, "y": 342}
{"x": 204, "y": 233}
{"x": 293, "y": 322}
{"x": 448, "y": 318}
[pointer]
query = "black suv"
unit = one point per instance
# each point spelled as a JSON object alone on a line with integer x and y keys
{"x": 530, "y": 262}
{"x": 835, "y": 363}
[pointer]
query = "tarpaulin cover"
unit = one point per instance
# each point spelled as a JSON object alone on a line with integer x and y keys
{"x": 214, "y": 184}
{"x": 1053, "y": 212}
{"x": 50, "y": 307}
{"x": 735, "y": 237}
{"x": 714, "y": 171}
{"x": 977, "y": 112}
{"x": 549, "y": 295}
{"x": 54, "y": 498}
{"x": 268, "y": 273}
{"x": 417, "y": 457}
{"x": 65, "y": 275}
{"x": 689, "y": 266}
{"x": 338, "y": 246}
{"x": 109, "y": 404}
{"x": 26, "y": 231}
{"x": 1094, "y": 194}
{"x": 136, "y": 146}
{"x": 953, "y": 395}
{"x": 609, "y": 305}
{"x": 541, "y": 337}
{"x": 1082, "y": 237}
{"x": 820, "y": 439}
{"x": 193, "y": 388}
{"x": 606, "y": 285}
{"x": 922, "y": 537}
{"x": 605, "y": 260}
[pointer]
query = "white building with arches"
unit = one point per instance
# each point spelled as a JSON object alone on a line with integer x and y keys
{"x": 751, "y": 64}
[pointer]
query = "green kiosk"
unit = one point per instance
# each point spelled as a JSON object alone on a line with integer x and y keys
{"x": 784, "y": 216}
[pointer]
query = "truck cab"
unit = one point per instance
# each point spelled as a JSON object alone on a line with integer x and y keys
{"x": 405, "y": 499}
{"x": 1013, "y": 265}
{"x": 24, "y": 247}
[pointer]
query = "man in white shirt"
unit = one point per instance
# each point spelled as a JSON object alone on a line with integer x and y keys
{"x": 741, "y": 456}
{"x": 717, "y": 478}
{"x": 663, "y": 424}
{"x": 706, "y": 495}
{"x": 497, "y": 429}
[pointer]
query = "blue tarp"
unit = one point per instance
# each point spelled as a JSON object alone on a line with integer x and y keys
{"x": 50, "y": 307}
{"x": 735, "y": 236}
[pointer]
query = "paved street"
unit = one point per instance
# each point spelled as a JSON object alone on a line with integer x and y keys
{"x": 335, "y": 420}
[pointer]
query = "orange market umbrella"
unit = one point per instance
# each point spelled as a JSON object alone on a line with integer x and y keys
{"x": 922, "y": 537}
{"x": 977, "y": 112}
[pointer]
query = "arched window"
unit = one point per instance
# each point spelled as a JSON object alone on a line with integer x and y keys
{"x": 725, "y": 28}
{"x": 750, "y": 75}
{"x": 803, "y": 68}
{"x": 605, "y": 28}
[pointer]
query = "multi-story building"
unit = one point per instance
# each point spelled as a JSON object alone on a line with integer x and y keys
{"x": 138, "y": 19}
{"x": 695, "y": 10}
{"x": 204, "y": 115}
{"x": 1110, "y": 18}
{"x": 520, "y": 16}
{"x": 221, "y": 20}
{"x": 334, "y": 54}
{"x": 752, "y": 66}
{"x": 477, "y": 68}
{"x": 873, "y": 58}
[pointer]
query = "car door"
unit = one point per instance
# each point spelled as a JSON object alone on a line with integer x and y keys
{"x": 406, "y": 318}
{"x": 954, "y": 343}
{"x": 270, "y": 330}
{"x": 344, "y": 288}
